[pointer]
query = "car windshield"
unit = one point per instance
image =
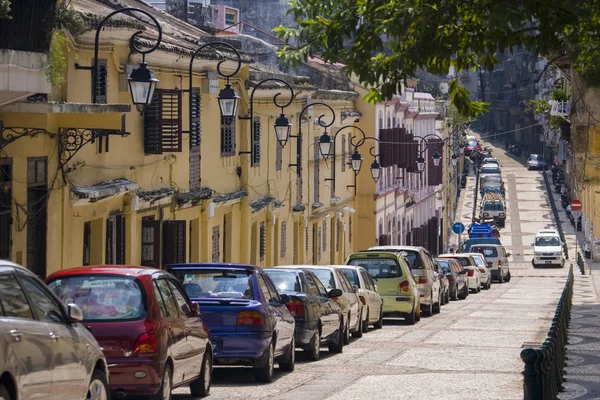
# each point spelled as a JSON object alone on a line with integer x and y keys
{"x": 379, "y": 267}
{"x": 493, "y": 206}
{"x": 533, "y": 157}
{"x": 464, "y": 261}
{"x": 413, "y": 259}
{"x": 490, "y": 170}
{"x": 285, "y": 281}
{"x": 221, "y": 283}
{"x": 547, "y": 241}
{"x": 102, "y": 297}
{"x": 472, "y": 143}
{"x": 444, "y": 265}
{"x": 326, "y": 277}
{"x": 479, "y": 260}
{"x": 491, "y": 178}
{"x": 352, "y": 276}
{"x": 487, "y": 251}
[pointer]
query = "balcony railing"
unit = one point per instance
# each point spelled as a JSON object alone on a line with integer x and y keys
{"x": 560, "y": 108}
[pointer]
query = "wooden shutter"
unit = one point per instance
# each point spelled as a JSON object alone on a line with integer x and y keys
{"x": 194, "y": 167}
{"x": 228, "y": 136}
{"x": 5, "y": 207}
{"x": 256, "y": 143}
{"x": 195, "y": 129}
{"x": 120, "y": 239}
{"x": 263, "y": 241}
{"x": 110, "y": 237}
{"x": 402, "y": 145}
{"x": 343, "y": 153}
{"x": 151, "y": 243}
{"x": 434, "y": 174}
{"x": 101, "y": 87}
{"x": 317, "y": 165}
{"x": 87, "y": 232}
{"x": 216, "y": 243}
{"x": 324, "y": 236}
{"x": 162, "y": 122}
{"x": 174, "y": 233}
{"x": 283, "y": 246}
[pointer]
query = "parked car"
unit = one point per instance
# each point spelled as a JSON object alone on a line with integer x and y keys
{"x": 497, "y": 255}
{"x": 319, "y": 319}
{"x": 444, "y": 283}
{"x": 472, "y": 241}
{"x": 536, "y": 161}
{"x": 547, "y": 249}
{"x": 484, "y": 270}
{"x": 368, "y": 293}
{"x": 458, "y": 283}
{"x": 491, "y": 187}
{"x": 491, "y": 160}
{"x": 249, "y": 321}
{"x": 333, "y": 277}
{"x": 489, "y": 169}
{"x": 45, "y": 352}
{"x": 493, "y": 207}
{"x": 148, "y": 328}
{"x": 421, "y": 265}
{"x": 397, "y": 285}
{"x": 468, "y": 263}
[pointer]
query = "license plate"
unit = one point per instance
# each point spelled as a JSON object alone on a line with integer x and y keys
{"x": 548, "y": 262}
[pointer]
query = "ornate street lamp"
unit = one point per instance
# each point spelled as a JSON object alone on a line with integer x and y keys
{"x": 454, "y": 160}
{"x": 356, "y": 161}
{"x": 142, "y": 83}
{"x": 375, "y": 170}
{"x": 283, "y": 127}
{"x": 436, "y": 159}
{"x": 229, "y": 101}
{"x": 420, "y": 164}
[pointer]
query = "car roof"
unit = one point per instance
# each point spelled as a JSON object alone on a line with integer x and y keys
{"x": 283, "y": 269}
{"x": 247, "y": 267}
{"x": 485, "y": 245}
{"x": 395, "y": 248}
{"x": 454, "y": 255}
{"x": 546, "y": 232}
{"x": 329, "y": 267}
{"x": 129, "y": 270}
{"x": 8, "y": 265}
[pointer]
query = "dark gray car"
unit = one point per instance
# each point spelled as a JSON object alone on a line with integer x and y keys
{"x": 45, "y": 352}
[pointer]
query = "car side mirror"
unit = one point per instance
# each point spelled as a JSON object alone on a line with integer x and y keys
{"x": 508, "y": 254}
{"x": 74, "y": 312}
{"x": 464, "y": 271}
{"x": 335, "y": 293}
{"x": 355, "y": 289}
{"x": 285, "y": 299}
{"x": 490, "y": 264}
{"x": 195, "y": 311}
{"x": 377, "y": 288}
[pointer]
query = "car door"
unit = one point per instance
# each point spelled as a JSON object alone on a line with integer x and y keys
{"x": 353, "y": 301}
{"x": 372, "y": 300}
{"x": 176, "y": 333}
{"x": 329, "y": 321}
{"x": 432, "y": 276}
{"x": 275, "y": 311}
{"x": 287, "y": 319}
{"x": 27, "y": 341}
{"x": 69, "y": 372}
{"x": 196, "y": 338}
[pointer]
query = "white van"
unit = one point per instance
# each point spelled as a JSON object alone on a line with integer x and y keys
{"x": 547, "y": 249}
{"x": 497, "y": 258}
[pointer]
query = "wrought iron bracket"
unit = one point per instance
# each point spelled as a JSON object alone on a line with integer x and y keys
{"x": 9, "y": 135}
{"x": 78, "y": 66}
{"x": 244, "y": 118}
{"x": 244, "y": 152}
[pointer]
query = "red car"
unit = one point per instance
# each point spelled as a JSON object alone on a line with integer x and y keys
{"x": 149, "y": 330}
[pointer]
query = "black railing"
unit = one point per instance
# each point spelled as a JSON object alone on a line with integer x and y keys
{"x": 544, "y": 371}
{"x": 556, "y": 216}
{"x": 475, "y": 197}
{"x": 580, "y": 263}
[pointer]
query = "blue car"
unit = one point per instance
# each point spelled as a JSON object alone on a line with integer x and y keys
{"x": 248, "y": 320}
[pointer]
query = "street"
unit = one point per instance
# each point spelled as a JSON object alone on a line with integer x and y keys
{"x": 468, "y": 351}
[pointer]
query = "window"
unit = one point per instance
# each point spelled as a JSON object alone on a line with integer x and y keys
{"x": 174, "y": 242}
{"x": 283, "y": 239}
{"x": 379, "y": 267}
{"x": 326, "y": 277}
{"x": 195, "y": 168}
{"x": 380, "y": 120}
{"x": 5, "y": 207}
{"x": 37, "y": 214}
{"x": 352, "y": 276}
{"x": 12, "y": 298}
{"x": 216, "y": 243}
{"x": 115, "y": 239}
{"x": 195, "y": 129}
{"x": 162, "y": 122}
{"x": 318, "y": 244}
{"x": 312, "y": 286}
{"x": 346, "y": 286}
{"x": 87, "y": 233}
{"x": 229, "y": 19}
{"x": 159, "y": 299}
{"x": 228, "y": 136}
{"x": 222, "y": 283}
{"x": 324, "y": 236}
{"x": 350, "y": 229}
{"x": 44, "y": 306}
{"x": 284, "y": 280}
{"x": 278, "y": 156}
{"x": 317, "y": 164}
{"x": 320, "y": 286}
{"x": 101, "y": 86}
{"x": 150, "y": 243}
{"x": 168, "y": 298}
{"x": 264, "y": 288}
{"x": 182, "y": 302}
{"x": 272, "y": 291}
{"x": 262, "y": 237}
{"x": 343, "y": 153}
{"x": 256, "y": 143}
{"x": 368, "y": 280}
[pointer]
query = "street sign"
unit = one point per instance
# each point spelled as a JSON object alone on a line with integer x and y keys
{"x": 576, "y": 205}
{"x": 458, "y": 228}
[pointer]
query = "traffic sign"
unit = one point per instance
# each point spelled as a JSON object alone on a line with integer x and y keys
{"x": 576, "y": 205}
{"x": 458, "y": 228}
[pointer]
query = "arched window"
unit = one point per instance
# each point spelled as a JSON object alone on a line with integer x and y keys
{"x": 380, "y": 120}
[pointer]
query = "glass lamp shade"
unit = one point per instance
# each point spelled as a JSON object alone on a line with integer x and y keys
{"x": 454, "y": 160}
{"x": 436, "y": 159}
{"x": 356, "y": 161}
{"x": 325, "y": 145}
{"x": 420, "y": 164}
{"x": 229, "y": 101}
{"x": 283, "y": 126}
{"x": 142, "y": 83}
{"x": 375, "y": 170}
{"x": 461, "y": 148}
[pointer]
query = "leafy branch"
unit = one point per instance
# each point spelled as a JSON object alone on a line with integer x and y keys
{"x": 5, "y": 9}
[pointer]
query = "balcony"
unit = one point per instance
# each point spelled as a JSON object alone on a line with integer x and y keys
{"x": 560, "y": 108}
{"x": 21, "y": 75}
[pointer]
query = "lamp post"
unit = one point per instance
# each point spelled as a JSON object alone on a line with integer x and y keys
{"x": 142, "y": 81}
{"x": 423, "y": 145}
{"x": 282, "y": 124}
{"x": 228, "y": 98}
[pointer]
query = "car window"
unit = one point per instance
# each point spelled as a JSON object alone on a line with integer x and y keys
{"x": 101, "y": 297}
{"x": 463, "y": 261}
{"x": 547, "y": 241}
{"x": 379, "y": 267}
{"x": 208, "y": 283}
{"x": 346, "y": 286}
{"x": 367, "y": 278}
{"x": 487, "y": 251}
{"x": 44, "y": 306}
{"x": 12, "y": 299}
{"x": 352, "y": 276}
{"x": 326, "y": 277}
{"x": 159, "y": 299}
{"x": 285, "y": 280}
{"x": 182, "y": 303}
{"x": 427, "y": 263}
{"x": 168, "y": 298}
{"x": 271, "y": 288}
{"x": 312, "y": 286}
{"x": 319, "y": 284}
{"x": 479, "y": 261}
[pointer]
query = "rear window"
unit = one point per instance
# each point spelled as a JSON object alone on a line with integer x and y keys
{"x": 478, "y": 260}
{"x": 326, "y": 278}
{"x": 285, "y": 280}
{"x": 547, "y": 241}
{"x": 487, "y": 251}
{"x": 493, "y": 206}
{"x": 464, "y": 261}
{"x": 102, "y": 297}
{"x": 379, "y": 267}
{"x": 352, "y": 276}
{"x": 490, "y": 170}
{"x": 221, "y": 283}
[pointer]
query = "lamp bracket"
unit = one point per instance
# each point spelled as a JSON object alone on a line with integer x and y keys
{"x": 244, "y": 117}
{"x": 244, "y": 152}
{"x": 9, "y": 135}
{"x": 87, "y": 68}
{"x": 329, "y": 179}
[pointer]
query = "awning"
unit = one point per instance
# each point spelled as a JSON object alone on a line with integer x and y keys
{"x": 104, "y": 189}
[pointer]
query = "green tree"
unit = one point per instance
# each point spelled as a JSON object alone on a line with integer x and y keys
{"x": 382, "y": 42}
{"x": 4, "y": 9}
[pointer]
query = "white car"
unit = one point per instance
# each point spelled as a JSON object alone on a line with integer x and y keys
{"x": 497, "y": 255}
{"x": 536, "y": 161}
{"x": 468, "y": 263}
{"x": 491, "y": 160}
{"x": 368, "y": 293}
{"x": 484, "y": 273}
{"x": 547, "y": 249}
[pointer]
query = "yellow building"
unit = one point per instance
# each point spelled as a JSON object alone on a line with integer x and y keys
{"x": 86, "y": 184}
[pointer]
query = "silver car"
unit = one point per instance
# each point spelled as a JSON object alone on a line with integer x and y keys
{"x": 536, "y": 161}
{"x": 45, "y": 352}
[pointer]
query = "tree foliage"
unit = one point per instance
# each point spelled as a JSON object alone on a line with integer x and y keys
{"x": 5, "y": 9}
{"x": 382, "y": 42}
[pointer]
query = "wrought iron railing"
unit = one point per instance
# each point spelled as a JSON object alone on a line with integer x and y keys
{"x": 556, "y": 216}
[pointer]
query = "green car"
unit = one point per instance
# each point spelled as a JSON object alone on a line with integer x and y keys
{"x": 395, "y": 283}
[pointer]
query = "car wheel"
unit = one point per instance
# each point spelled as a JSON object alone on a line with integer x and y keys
{"x": 166, "y": 386}
{"x": 359, "y": 329}
{"x": 265, "y": 372}
{"x": 379, "y": 323}
{"x": 201, "y": 386}
{"x": 97, "y": 389}
{"x": 429, "y": 310}
{"x": 347, "y": 332}
{"x": 508, "y": 277}
{"x": 464, "y": 293}
{"x": 314, "y": 351}
{"x": 436, "y": 308}
{"x": 501, "y": 278}
{"x": 454, "y": 294}
{"x": 288, "y": 363}
{"x": 448, "y": 296}
{"x": 338, "y": 347}
{"x": 4, "y": 395}
{"x": 411, "y": 318}
{"x": 365, "y": 324}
